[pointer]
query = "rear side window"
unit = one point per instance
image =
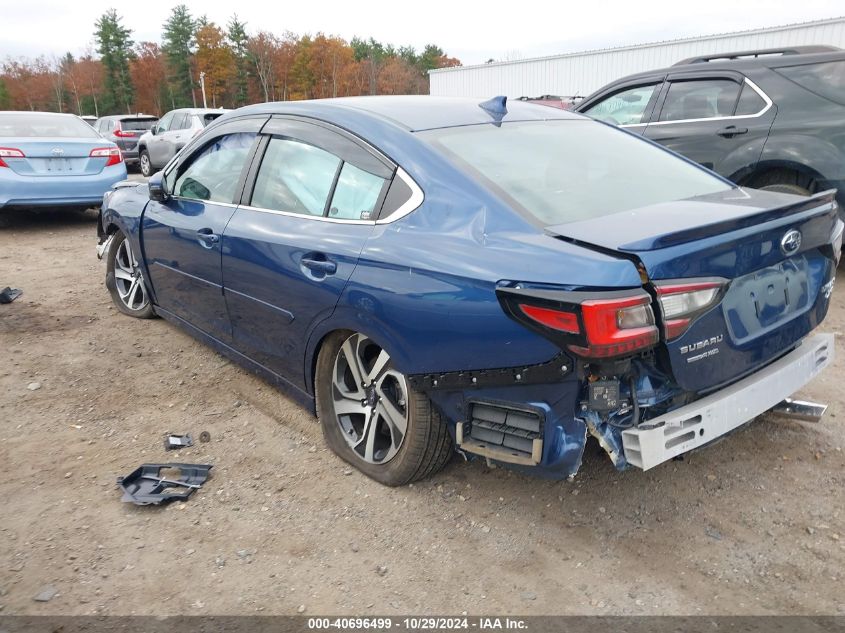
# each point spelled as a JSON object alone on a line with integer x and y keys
{"x": 208, "y": 118}
{"x": 749, "y": 102}
{"x": 565, "y": 171}
{"x": 295, "y": 177}
{"x": 214, "y": 171}
{"x": 703, "y": 99}
{"x": 623, "y": 108}
{"x": 356, "y": 194}
{"x": 826, "y": 80}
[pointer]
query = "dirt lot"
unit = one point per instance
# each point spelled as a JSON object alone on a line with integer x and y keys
{"x": 752, "y": 525}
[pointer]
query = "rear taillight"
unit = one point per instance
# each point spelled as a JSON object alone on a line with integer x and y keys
{"x": 112, "y": 153}
{"x": 616, "y": 327}
{"x": 589, "y": 324}
{"x": 9, "y": 152}
{"x": 118, "y": 131}
{"x": 681, "y": 302}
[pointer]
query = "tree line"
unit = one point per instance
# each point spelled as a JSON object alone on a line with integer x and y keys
{"x": 120, "y": 75}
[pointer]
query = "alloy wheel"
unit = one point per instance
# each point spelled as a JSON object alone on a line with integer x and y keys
{"x": 370, "y": 400}
{"x": 128, "y": 279}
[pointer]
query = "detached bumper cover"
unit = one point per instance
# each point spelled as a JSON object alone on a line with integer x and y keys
{"x": 702, "y": 421}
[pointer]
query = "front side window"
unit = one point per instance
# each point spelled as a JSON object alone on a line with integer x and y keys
{"x": 214, "y": 171}
{"x": 627, "y": 107}
{"x": 704, "y": 99}
{"x": 178, "y": 122}
{"x": 565, "y": 171}
{"x": 164, "y": 124}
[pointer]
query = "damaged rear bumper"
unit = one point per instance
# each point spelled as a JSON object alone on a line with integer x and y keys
{"x": 696, "y": 424}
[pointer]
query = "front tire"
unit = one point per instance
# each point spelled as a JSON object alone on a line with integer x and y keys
{"x": 125, "y": 280}
{"x": 145, "y": 164}
{"x": 372, "y": 418}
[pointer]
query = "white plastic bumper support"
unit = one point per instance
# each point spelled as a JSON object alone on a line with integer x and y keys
{"x": 702, "y": 421}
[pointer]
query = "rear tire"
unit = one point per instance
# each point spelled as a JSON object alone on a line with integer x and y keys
{"x": 371, "y": 417}
{"x": 125, "y": 280}
{"x": 144, "y": 164}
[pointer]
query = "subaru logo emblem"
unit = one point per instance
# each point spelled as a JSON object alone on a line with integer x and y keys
{"x": 58, "y": 151}
{"x": 790, "y": 242}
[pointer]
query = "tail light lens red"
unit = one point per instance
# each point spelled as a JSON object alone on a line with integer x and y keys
{"x": 9, "y": 152}
{"x": 590, "y": 324}
{"x": 682, "y": 302}
{"x": 119, "y": 132}
{"x": 616, "y": 327}
{"x": 112, "y": 153}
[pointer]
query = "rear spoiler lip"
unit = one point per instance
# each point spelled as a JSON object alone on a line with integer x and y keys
{"x": 815, "y": 203}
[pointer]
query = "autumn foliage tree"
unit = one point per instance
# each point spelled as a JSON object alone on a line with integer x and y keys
{"x": 238, "y": 67}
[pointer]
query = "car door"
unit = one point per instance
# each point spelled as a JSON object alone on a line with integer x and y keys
{"x": 289, "y": 251}
{"x": 156, "y": 146}
{"x": 629, "y": 105}
{"x": 181, "y": 237}
{"x": 720, "y": 120}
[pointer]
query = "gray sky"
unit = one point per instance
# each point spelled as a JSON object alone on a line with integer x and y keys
{"x": 471, "y": 31}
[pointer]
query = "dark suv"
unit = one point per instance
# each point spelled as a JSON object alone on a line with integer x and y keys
{"x": 125, "y": 130}
{"x": 769, "y": 119}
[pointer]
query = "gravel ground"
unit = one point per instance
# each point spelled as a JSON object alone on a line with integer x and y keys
{"x": 751, "y": 525}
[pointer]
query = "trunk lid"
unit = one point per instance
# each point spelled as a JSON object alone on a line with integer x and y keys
{"x": 56, "y": 156}
{"x": 777, "y": 284}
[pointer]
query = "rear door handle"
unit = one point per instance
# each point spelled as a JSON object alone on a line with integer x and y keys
{"x": 318, "y": 263}
{"x": 731, "y": 131}
{"x": 208, "y": 237}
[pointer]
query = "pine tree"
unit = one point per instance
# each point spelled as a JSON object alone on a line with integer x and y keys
{"x": 115, "y": 48}
{"x": 178, "y": 39}
{"x": 237, "y": 38}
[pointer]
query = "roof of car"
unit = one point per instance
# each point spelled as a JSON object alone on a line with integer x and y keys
{"x": 138, "y": 115}
{"x": 747, "y": 60}
{"x": 417, "y": 112}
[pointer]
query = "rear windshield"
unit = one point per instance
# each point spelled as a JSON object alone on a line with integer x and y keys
{"x": 208, "y": 118}
{"x": 137, "y": 124}
{"x": 565, "y": 171}
{"x": 825, "y": 79}
{"x": 45, "y": 125}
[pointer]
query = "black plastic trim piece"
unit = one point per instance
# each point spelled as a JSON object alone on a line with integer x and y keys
{"x": 549, "y": 372}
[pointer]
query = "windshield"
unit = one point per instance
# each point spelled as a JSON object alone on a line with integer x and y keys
{"x": 565, "y": 171}
{"x": 44, "y": 125}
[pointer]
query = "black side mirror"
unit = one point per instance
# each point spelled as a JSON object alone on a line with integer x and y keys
{"x": 158, "y": 191}
{"x": 154, "y": 130}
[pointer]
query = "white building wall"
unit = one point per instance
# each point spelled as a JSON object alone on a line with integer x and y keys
{"x": 582, "y": 73}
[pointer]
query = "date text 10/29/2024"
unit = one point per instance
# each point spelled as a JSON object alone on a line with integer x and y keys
{"x": 417, "y": 624}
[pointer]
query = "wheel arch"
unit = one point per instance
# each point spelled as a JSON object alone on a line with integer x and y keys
{"x": 779, "y": 172}
{"x": 342, "y": 322}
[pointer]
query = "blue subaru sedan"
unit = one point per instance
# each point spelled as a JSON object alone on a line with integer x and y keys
{"x": 54, "y": 161}
{"x": 432, "y": 274}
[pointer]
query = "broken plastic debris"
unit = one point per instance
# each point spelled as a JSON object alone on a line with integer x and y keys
{"x": 172, "y": 442}
{"x": 152, "y": 484}
{"x": 7, "y": 295}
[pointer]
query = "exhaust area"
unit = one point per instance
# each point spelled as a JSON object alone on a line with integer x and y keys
{"x": 799, "y": 410}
